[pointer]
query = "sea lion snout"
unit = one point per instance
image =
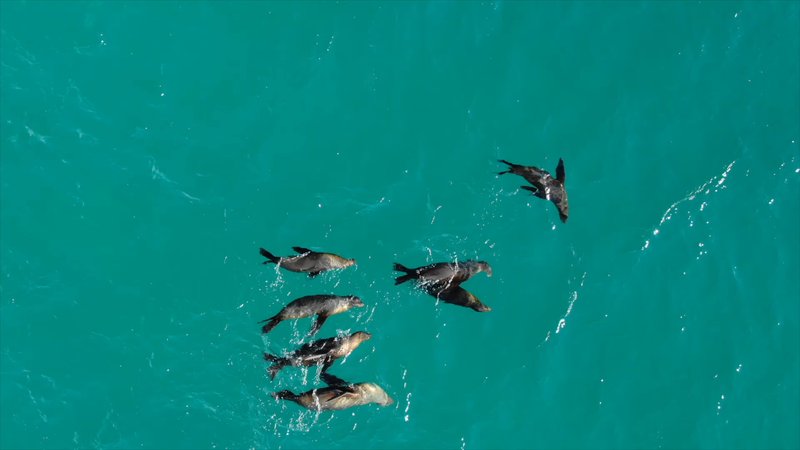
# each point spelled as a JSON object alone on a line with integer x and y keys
{"x": 356, "y": 302}
{"x": 350, "y": 262}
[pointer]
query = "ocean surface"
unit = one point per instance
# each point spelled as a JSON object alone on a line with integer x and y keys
{"x": 150, "y": 148}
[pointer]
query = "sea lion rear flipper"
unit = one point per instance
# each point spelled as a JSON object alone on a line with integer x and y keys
{"x": 313, "y": 274}
{"x": 271, "y": 323}
{"x": 560, "y": 174}
{"x": 285, "y": 395}
{"x": 401, "y": 268}
{"x": 270, "y": 257}
{"x": 301, "y": 250}
{"x": 510, "y": 166}
{"x": 318, "y": 323}
{"x": 403, "y": 278}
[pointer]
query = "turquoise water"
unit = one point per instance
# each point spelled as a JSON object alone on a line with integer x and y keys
{"x": 150, "y": 148}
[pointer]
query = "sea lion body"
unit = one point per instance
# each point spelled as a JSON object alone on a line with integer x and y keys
{"x": 338, "y": 395}
{"x": 322, "y": 352}
{"x": 322, "y": 306}
{"x": 444, "y": 273}
{"x": 457, "y": 295}
{"x": 543, "y": 185}
{"x": 308, "y": 261}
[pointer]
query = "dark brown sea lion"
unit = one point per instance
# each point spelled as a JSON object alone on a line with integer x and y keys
{"x": 337, "y": 395}
{"x": 323, "y": 306}
{"x": 321, "y": 352}
{"x": 443, "y": 274}
{"x": 308, "y": 261}
{"x": 457, "y": 295}
{"x": 544, "y": 185}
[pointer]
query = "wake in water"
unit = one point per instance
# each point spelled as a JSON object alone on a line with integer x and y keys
{"x": 714, "y": 184}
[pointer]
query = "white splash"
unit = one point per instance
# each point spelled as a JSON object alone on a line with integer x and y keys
{"x": 702, "y": 189}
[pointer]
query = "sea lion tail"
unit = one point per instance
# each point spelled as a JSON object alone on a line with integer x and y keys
{"x": 271, "y": 323}
{"x": 285, "y": 395}
{"x": 270, "y": 257}
{"x": 402, "y": 279}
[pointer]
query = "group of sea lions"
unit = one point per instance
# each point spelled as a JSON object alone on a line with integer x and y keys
{"x": 441, "y": 280}
{"x": 339, "y": 394}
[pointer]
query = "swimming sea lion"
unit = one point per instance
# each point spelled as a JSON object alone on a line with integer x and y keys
{"x": 323, "y": 306}
{"x": 443, "y": 273}
{"x": 457, "y": 295}
{"x": 544, "y": 185}
{"x": 322, "y": 352}
{"x": 337, "y": 395}
{"x": 308, "y": 261}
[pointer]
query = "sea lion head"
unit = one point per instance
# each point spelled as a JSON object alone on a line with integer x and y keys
{"x": 354, "y": 302}
{"x": 376, "y": 394}
{"x": 349, "y": 262}
{"x": 481, "y": 266}
{"x": 361, "y": 336}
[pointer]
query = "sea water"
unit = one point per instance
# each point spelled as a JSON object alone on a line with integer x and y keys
{"x": 150, "y": 148}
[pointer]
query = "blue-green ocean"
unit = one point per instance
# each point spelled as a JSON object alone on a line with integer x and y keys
{"x": 150, "y": 148}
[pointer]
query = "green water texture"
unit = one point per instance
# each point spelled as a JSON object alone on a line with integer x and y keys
{"x": 150, "y": 148}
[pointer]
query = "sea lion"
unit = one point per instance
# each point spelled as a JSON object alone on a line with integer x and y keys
{"x": 321, "y": 352}
{"x": 443, "y": 274}
{"x": 457, "y": 295}
{"x": 308, "y": 261}
{"x": 323, "y": 306}
{"x": 337, "y": 395}
{"x": 544, "y": 185}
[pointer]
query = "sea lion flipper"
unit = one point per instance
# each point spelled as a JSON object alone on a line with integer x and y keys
{"x": 332, "y": 380}
{"x": 301, "y": 250}
{"x": 270, "y": 257}
{"x": 321, "y": 318}
{"x": 510, "y": 166}
{"x": 530, "y": 188}
{"x": 327, "y": 364}
{"x": 313, "y": 274}
{"x": 270, "y": 323}
{"x": 410, "y": 275}
{"x": 560, "y": 174}
{"x": 340, "y": 391}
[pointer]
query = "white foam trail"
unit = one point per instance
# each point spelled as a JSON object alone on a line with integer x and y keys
{"x": 703, "y": 188}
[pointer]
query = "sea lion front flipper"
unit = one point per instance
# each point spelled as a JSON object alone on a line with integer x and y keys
{"x": 536, "y": 192}
{"x": 313, "y": 274}
{"x": 318, "y": 323}
{"x": 560, "y": 174}
{"x": 333, "y": 380}
{"x": 327, "y": 364}
{"x": 340, "y": 391}
{"x": 301, "y": 250}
